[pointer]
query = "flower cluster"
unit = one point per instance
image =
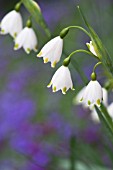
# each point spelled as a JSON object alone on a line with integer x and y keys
{"x": 51, "y": 52}
{"x": 23, "y": 37}
{"x": 90, "y": 92}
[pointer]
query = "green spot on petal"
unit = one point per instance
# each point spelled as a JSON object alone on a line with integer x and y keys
{"x": 2, "y": 31}
{"x": 49, "y": 85}
{"x": 81, "y": 99}
{"x": 36, "y": 48}
{"x": 89, "y": 103}
{"x": 64, "y": 90}
{"x": 98, "y": 101}
{"x": 46, "y": 60}
{"x": 54, "y": 64}
{"x": 28, "y": 50}
{"x": 39, "y": 54}
{"x": 54, "y": 89}
{"x": 16, "y": 46}
{"x": 15, "y": 35}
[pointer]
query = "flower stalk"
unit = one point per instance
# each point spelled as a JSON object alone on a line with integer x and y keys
{"x": 99, "y": 47}
{"x": 35, "y": 11}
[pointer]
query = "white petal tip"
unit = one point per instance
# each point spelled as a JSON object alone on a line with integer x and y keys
{"x": 16, "y": 46}
{"x": 81, "y": 99}
{"x": 36, "y": 48}
{"x": 46, "y": 60}
{"x": 53, "y": 64}
{"x": 54, "y": 89}
{"x": 49, "y": 85}
{"x": 28, "y": 50}
{"x": 98, "y": 102}
{"x": 63, "y": 93}
{"x": 39, "y": 54}
{"x": 2, "y": 32}
{"x": 73, "y": 88}
{"x": 64, "y": 90}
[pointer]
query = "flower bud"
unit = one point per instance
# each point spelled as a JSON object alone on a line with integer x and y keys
{"x": 64, "y": 32}
{"x": 66, "y": 61}
{"x": 93, "y": 76}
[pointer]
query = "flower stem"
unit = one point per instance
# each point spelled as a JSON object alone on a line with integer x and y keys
{"x": 72, "y": 152}
{"x": 96, "y": 65}
{"x": 81, "y": 51}
{"x": 34, "y": 9}
{"x": 80, "y": 28}
{"x": 79, "y": 71}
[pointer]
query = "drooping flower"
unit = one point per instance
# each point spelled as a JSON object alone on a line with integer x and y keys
{"x": 52, "y": 51}
{"x": 91, "y": 48}
{"x": 11, "y": 23}
{"x": 26, "y": 39}
{"x": 61, "y": 80}
{"x": 93, "y": 93}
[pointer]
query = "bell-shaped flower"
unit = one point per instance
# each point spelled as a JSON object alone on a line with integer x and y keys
{"x": 11, "y": 23}
{"x": 26, "y": 39}
{"x": 61, "y": 80}
{"x": 93, "y": 94}
{"x": 52, "y": 51}
{"x": 91, "y": 48}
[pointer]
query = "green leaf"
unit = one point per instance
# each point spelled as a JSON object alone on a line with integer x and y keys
{"x": 99, "y": 47}
{"x": 106, "y": 120}
{"x": 72, "y": 152}
{"x": 106, "y": 114}
{"x": 36, "y": 13}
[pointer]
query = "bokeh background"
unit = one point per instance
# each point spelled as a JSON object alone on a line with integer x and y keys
{"x": 41, "y": 130}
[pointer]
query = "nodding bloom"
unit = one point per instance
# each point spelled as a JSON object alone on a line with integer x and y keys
{"x": 52, "y": 51}
{"x": 93, "y": 93}
{"x": 26, "y": 39}
{"x": 61, "y": 80}
{"x": 11, "y": 23}
{"x": 91, "y": 48}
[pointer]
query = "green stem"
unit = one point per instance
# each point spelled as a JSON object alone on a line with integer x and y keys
{"x": 34, "y": 9}
{"x": 81, "y": 51}
{"x": 107, "y": 116}
{"x": 80, "y": 28}
{"x": 84, "y": 79}
{"x": 79, "y": 71}
{"x": 72, "y": 152}
{"x": 96, "y": 65}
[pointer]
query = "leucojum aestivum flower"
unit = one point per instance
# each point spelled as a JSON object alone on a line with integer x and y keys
{"x": 92, "y": 95}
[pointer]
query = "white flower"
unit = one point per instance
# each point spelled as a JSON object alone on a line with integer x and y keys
{"x": 94, "y": 115}
{"x": 11, "y": 23}
{"x": 52, "y": 51}
{"x": 26, "y": 39}
{"x": 78, "y": 97}
{"x": 91, "y": 48}
{"x": 61, "y": 80}
{"x": 93, "y": 93}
